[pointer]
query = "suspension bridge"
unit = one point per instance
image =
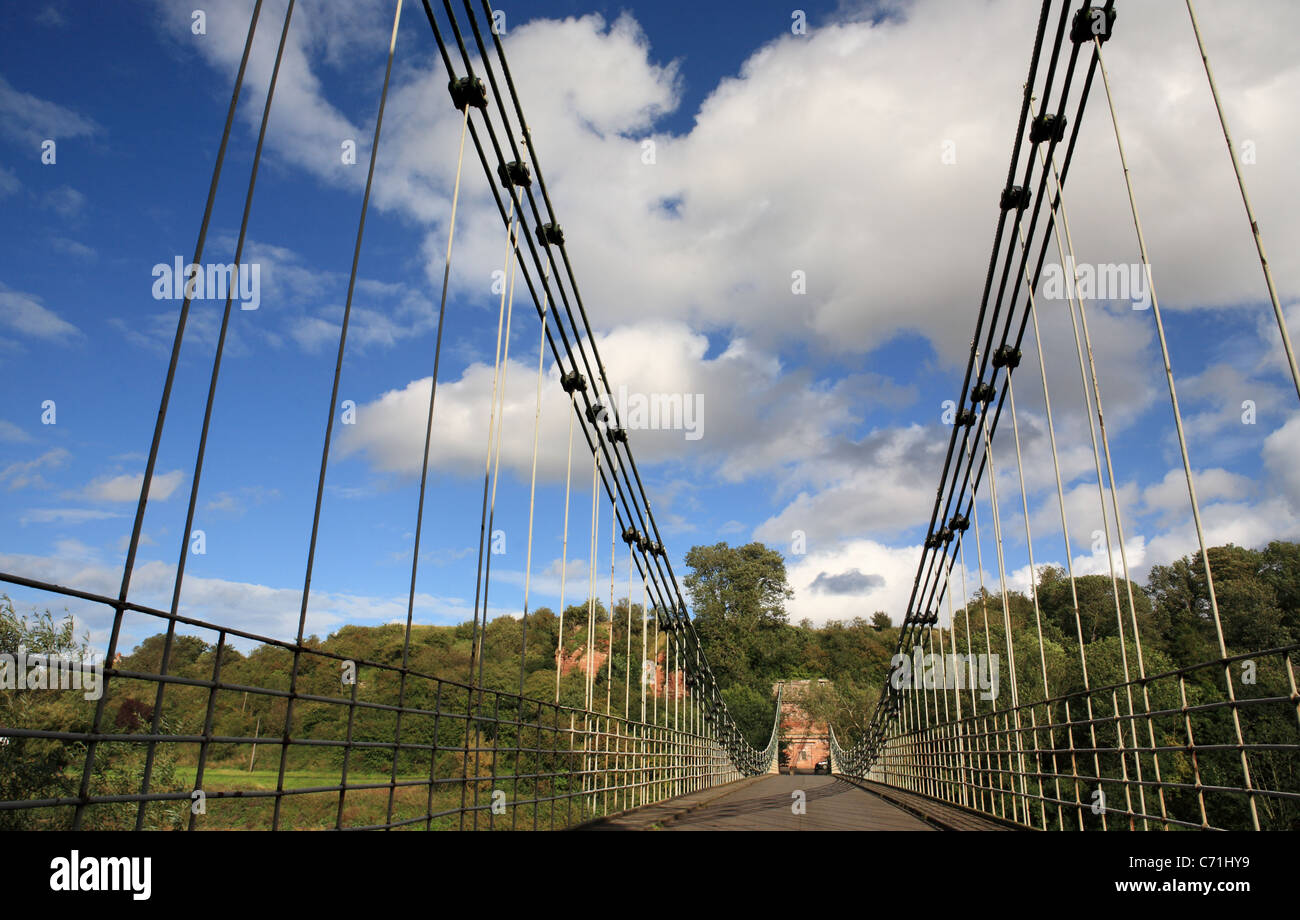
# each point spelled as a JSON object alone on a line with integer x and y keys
{"x": 461, "y": 752}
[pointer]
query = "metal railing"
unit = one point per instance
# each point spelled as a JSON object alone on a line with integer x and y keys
{"x": 452, "y": 756}
{"x": 1083, "y": 761}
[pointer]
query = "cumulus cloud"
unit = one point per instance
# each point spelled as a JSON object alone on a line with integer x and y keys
{"x": 126, "y": 487}
{"x": 1170, "y": 494}
{"x": 30, "y": 119}
{"x": 850, "y": 582}
{"x": 65, "y": 201}
{"x": 750, "y": 417}
{"x": 1240, "y": 523}
{"x": 25, "y": 314}
{"x": 782, "y": 172}
{"x": 893, "y": 567}
{"x": 259, "y": 608}
{"x": 11, "y": 432}
{"x": 64, "y": 515}
{"x": 1281, "y": 448}
{"x": 805, "y": 110}
{"x": 27, "y": 474}
{"x": 877, "y": 486}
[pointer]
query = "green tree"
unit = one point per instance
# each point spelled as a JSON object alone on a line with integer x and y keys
{"x": 738, "y": 595}
{"x": 36, "y": 768}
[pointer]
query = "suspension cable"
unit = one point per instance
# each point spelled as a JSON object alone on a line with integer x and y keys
{"x": 487, "y": 460}
{"x": 532, "y": 501}
{"x": 424, "y": 466}
{"x": 627, "y": 667}
{"x": 564, "y": 553}
{"x": 1006, "y": 608}
{"x": 1245, "y": 200}
{"x": 500, "y": 391}
{"x": 133, "y": 545}
{"x": 609, "y": 657}
{"x": 591, "y": 580}
{"x": 1033, "y": 581}
{"x": 197, "y": 475}
{"x": 1182, "y": 444}
{"x": 1114, "y": 500}
{"x": 329, "y": 425}
{"x": 1060, "y": 494}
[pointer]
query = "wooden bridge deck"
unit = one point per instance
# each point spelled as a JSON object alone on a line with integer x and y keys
{"x": 765, "y": 804}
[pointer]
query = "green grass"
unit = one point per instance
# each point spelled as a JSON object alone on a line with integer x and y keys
{"x": 232, "y": 778}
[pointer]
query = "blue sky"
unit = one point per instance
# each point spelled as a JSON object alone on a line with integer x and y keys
{"x": 775, "y": 152}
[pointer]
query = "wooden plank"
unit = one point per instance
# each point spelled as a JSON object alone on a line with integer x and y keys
{"x": 652, "y": 817}
{"x": 948, "y": 817}
{"x": 766, "y": 803}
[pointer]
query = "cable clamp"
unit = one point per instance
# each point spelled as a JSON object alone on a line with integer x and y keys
{"x": 515, "y": 173}
{"x": 573, "y": 382}
{"x": 551, "y": 234}
{"x": 468, "y": 91}
{"x": 1007, "y": 356}
{"x": 1048, "y": 126}
{"x": 1092, "y": 22}
{"x": 1014, "y": 197}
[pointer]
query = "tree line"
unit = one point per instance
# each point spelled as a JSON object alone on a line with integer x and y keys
{"x": 739, "y": 597}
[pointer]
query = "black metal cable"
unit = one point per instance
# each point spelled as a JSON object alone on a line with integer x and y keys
{"x": 207, "y": 412}
{"x": 136, "y": 528}
{"x": 424, "y": 467}
{"x": 329, "y": 423}
{"x": 629, "y": 506}
{"x": 988, "y": 282}
{"x": 908, "y": 626}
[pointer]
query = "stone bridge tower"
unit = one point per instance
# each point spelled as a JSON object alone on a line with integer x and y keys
{"x": 805, "y": 742}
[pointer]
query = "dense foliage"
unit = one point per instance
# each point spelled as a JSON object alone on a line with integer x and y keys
{"x": 738, "y": 596}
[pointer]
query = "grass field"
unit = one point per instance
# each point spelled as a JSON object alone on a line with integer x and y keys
{"x": 236, "y": 800}
{"x": 356, "y": 808}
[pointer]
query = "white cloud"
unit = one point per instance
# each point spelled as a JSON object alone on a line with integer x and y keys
{"x": 50, "y": 16}
{"x": 1170, "y": 494}
{"x": 65, "y": 201}
{"x": 238, "y": 501}
{"x": 890, "y": 571}
{"x": 24, "y": 314}
{"x": 11, "y": 432}
{"x": 257, "y": 608}
{"x": 753, "y": 417}
{"x": 1243, "y": 524}
{"x": 785, "y": 168}
{"x": 31, "y": 119}
{"x": 64, "y": 515}
{"x": 1281, "y": 450}
{"x": 126, "y": 487}
{"x": 26, "y": 474}
{"x": 1084, "y": 514}
{"x": 72, "y": 247}
{"x": 773, "y": 175}
{"x": 879, "y": 486}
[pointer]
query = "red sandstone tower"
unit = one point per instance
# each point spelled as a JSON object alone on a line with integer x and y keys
{"x": 806, "y": 742}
